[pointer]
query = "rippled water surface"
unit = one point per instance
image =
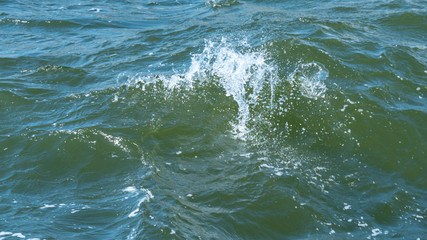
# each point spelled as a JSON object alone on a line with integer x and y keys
{"x": 220, "y": 119}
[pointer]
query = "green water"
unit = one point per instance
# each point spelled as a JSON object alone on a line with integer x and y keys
{"x": 213, "y": 119}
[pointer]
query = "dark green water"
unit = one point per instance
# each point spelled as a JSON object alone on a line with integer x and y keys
{"x": 213, "y": 119}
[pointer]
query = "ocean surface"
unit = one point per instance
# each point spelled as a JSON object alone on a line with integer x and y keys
{"x": 220, "y": 119}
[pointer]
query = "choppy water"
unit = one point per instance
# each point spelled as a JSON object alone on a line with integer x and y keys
{"x": 213, "y": 119}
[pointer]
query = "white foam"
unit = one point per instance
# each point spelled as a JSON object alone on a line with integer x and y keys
{"x": 74, "y": 211}
{"x": 95, "y": 10}
{"x": 266, "y": 166}
{"x": 147, "y": 197}
{"x": 48, "y": 206}
{"x": 130, "y": 189}
{"x": 346, "y": 206}
{"x": 376, "y": 232}
{"x": 362, "y": 224}
{"x": 18, "y": 235}
{"x": 133, "y": 213}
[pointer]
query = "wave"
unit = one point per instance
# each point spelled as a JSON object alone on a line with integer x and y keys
{"x": 248, "y": 76}
{"x": 236, "y": 114}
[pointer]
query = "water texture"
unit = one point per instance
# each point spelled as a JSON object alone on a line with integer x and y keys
{"x": 218, "y": 119}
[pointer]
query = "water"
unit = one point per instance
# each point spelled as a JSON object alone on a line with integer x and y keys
{"x": 218, "y": 119}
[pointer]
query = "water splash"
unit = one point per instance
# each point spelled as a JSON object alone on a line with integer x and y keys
{"x": 247, "y": 75}
{"x": 242, "y": 74}
{"x": 309, "y": 78}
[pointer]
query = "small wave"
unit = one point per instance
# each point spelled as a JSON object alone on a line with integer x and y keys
{"x": 411, "y": 20}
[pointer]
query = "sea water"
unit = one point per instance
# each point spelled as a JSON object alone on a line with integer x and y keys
{"x": 220, "y": 119}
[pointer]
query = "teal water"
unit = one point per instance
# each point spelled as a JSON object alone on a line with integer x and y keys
{"x": 218, "y": 119}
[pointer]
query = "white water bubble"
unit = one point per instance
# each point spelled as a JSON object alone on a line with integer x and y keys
{"x": 48, "y": 206}
{"x": 376, "y": 232}
{"x": 18, "y": 235}
{"x": 130, "y": 189}
{"x": 74, "y": 211}
{"x": 362, "y": 224}
{"x": 133, "y": 213}
{"x": 346, "y": 206}
{"x": 266, "y": 166}
{"x": 95, "y": 10}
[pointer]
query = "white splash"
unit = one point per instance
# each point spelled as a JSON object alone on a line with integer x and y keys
{"x": 242, "y": 74}
{"x": 309, "y": 78}
{"x": 248, "y": 75}
{"x": 240, "y": 70}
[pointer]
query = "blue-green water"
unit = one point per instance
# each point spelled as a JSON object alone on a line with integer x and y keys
{"x": 219, "y": 119}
